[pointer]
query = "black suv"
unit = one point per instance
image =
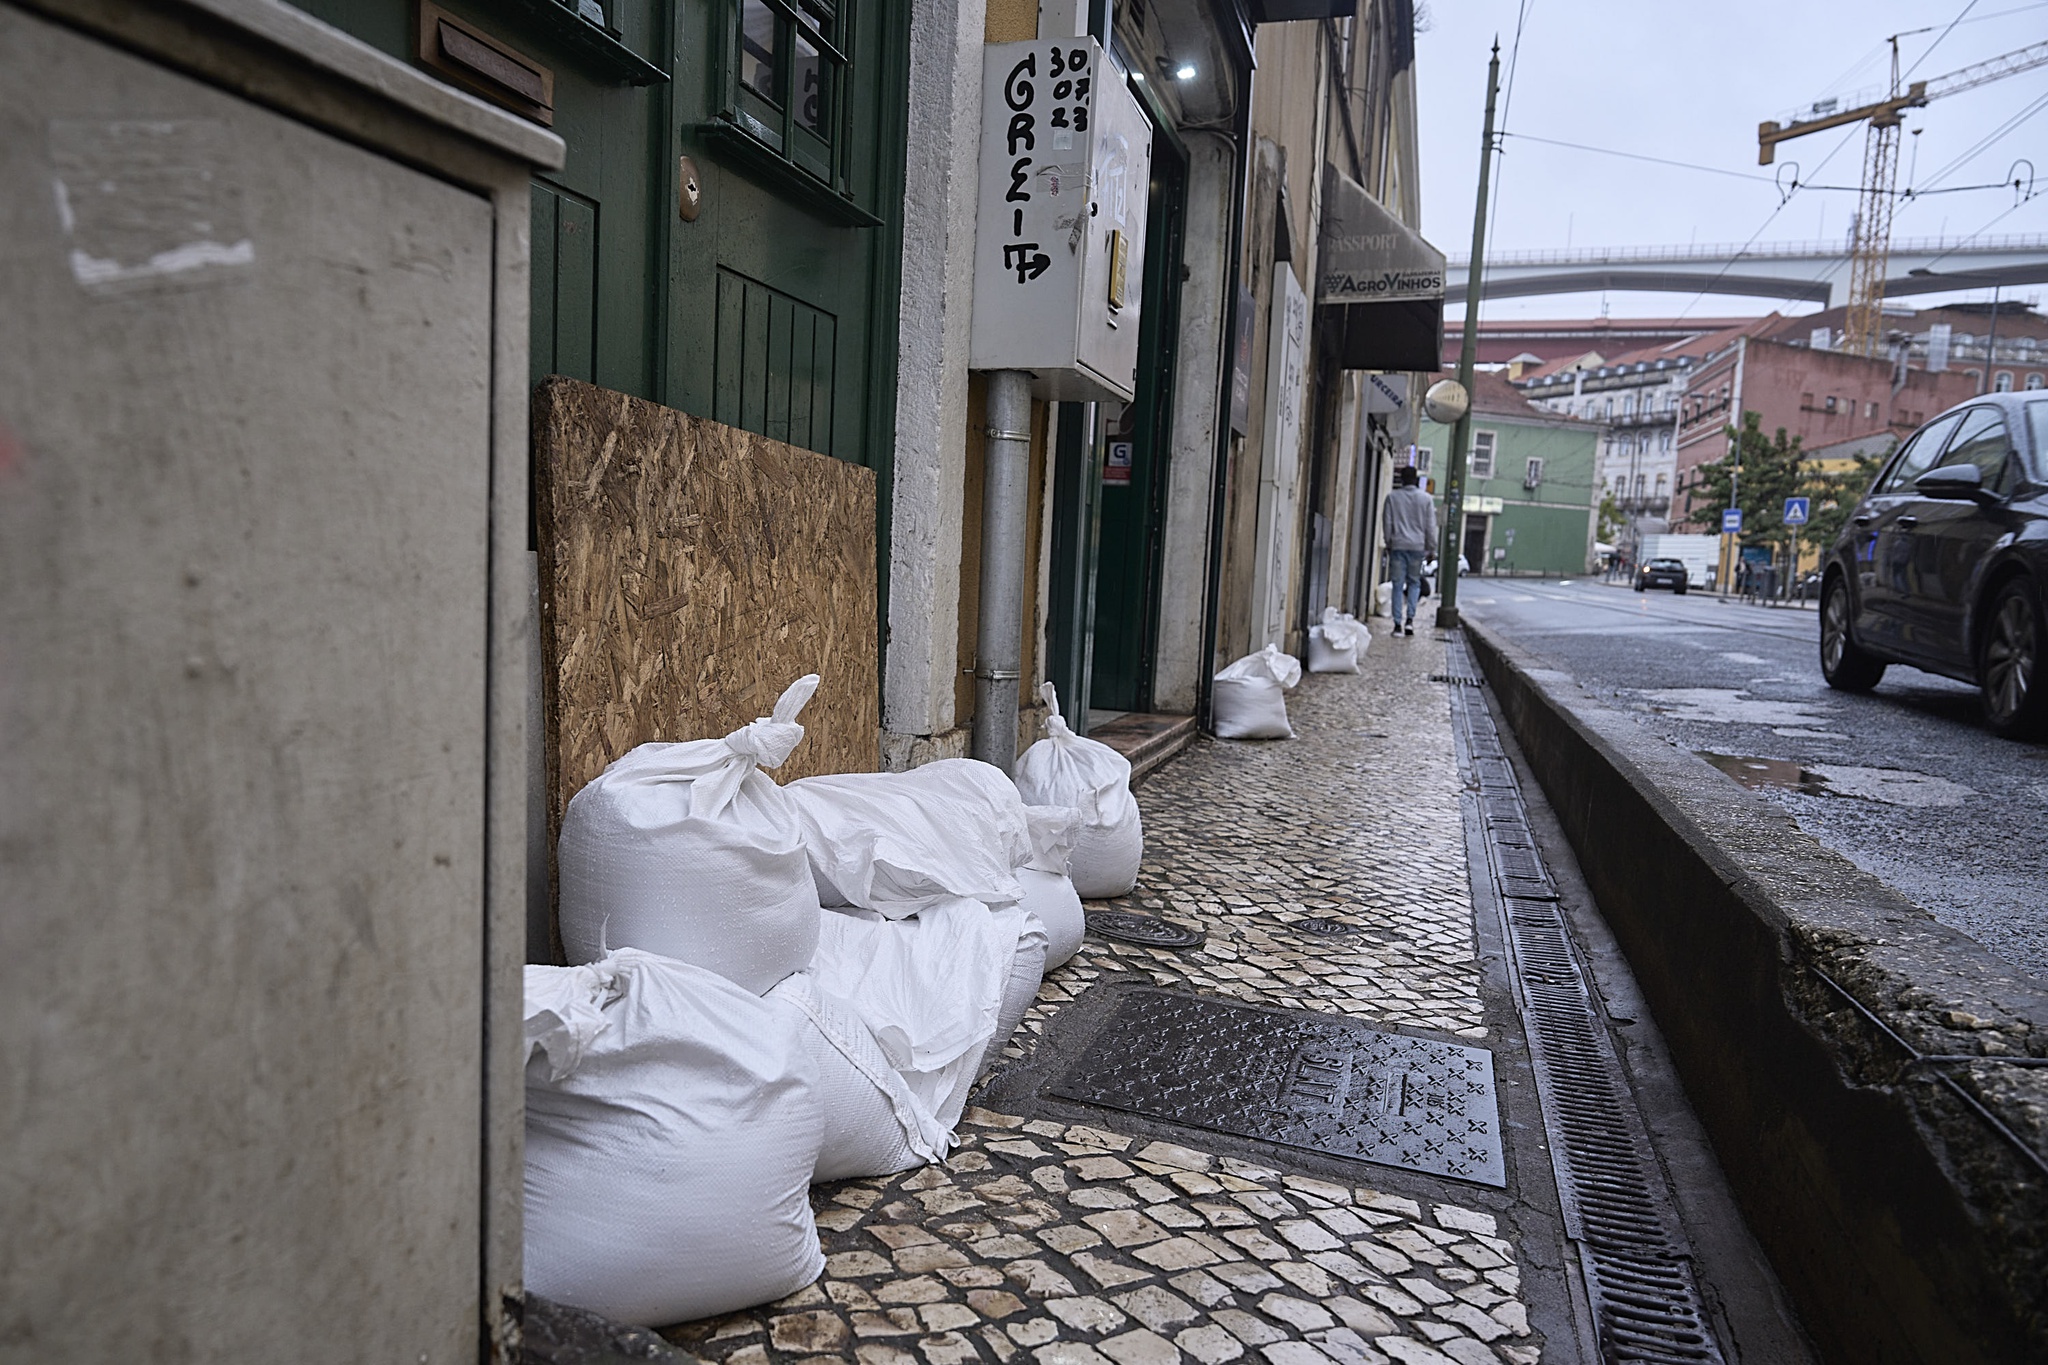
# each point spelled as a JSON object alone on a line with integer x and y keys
{"x": 1662, "y": 573}
{"x": 1942, "y": 565}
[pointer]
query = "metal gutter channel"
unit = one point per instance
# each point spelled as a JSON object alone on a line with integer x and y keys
{"x": 1618, "y": 1211}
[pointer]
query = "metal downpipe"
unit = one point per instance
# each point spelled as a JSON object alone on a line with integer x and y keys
{"x": 999, "y": 639}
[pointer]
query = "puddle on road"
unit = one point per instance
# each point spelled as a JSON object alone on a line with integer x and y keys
{"x": 1892, "y": 786}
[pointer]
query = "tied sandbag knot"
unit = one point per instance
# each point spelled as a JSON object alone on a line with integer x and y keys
{"x": 772, "y": 738}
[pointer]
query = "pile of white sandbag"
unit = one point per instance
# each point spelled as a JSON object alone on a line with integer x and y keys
{"x": 1335, "y": 645}
{"x": 726, "y": 1039}
{"x": 1094, "y": 780}
{"x": 1250, "y": 697}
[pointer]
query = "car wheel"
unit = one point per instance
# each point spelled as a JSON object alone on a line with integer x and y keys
{"x": 2009, "y": 661}
{"x": 1846, "y": 667}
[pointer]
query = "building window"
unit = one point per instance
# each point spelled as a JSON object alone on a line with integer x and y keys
{"x": 787, "y": 83}
{"x": 1639, "y": 482}
{"x": 1483, "y": 445}
{"x": 1661, "y": 478}
{"x": 1870, "y": 411}
{"x": 1423, "y": 456}
{"x": 1533, "y": 473}
{"x": 1830, "y": 404}
{"x": 2033, "y": 382}
{"x": 2003, "y": 383}
{"x": 1664, "y": 441}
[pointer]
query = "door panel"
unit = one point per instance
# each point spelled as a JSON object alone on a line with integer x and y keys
{"x": 1132, "y": 512}
{"x": 1886, "y": 579}
{"x": 784, "y": 289}
{"x": 564, "y": 284}
{"x": 1954, "y": 537}
{"x": 775, "y": 363}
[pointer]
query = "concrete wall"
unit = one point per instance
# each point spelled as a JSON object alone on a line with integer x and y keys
{"x": 262, "y": 695}
{"x": 1904, "y": 1226}
{"x": 925, "y": 549}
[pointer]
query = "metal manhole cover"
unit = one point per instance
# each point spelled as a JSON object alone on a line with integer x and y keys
{"x": 1147, "y": 930}
{"x": 1312, "y": 1081}
{"x": 1322, "y": 926}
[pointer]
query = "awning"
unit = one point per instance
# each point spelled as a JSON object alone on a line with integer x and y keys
{"x": 1380, "y": 291}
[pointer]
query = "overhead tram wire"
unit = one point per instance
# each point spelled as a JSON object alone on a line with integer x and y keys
{"x": 1768, "y": 220}
{"x": 1500, "y": 133}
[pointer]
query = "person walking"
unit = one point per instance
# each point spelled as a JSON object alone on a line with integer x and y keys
{"x": 1411, "y": 530}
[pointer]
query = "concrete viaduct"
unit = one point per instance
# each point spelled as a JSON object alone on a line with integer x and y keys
{"x": 1814, "y": 271}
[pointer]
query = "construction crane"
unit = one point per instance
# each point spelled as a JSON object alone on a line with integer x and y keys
{"x": 1870, "y": 242}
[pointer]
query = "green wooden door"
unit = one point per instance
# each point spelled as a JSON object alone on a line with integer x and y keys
{"x": 1133, "y": 499}
{"x": 783, "y": 290}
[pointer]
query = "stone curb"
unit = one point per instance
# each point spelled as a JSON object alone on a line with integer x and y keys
{"x": 1902, "y": 1224}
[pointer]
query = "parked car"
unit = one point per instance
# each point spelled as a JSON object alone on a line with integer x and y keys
{"x": 1662, "y": 573}
{"x": 1943, "y": 563}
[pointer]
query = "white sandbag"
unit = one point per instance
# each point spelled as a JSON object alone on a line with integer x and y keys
{"x": 672, "y": 1125}
{"x": 1250, "y": 699}
{"x": 1336, "y": 645}
{"x": 1048, "y": 891}
{"x": 690, "y": 851}
{"x": 1051, "y": 897}
{"x": 931, "y": 988}
{"x": 1027, "y": 970}
{"x": 898, "y": 842}
{"x": 874, "y": 1125}
{"x": 1066, "y": 769}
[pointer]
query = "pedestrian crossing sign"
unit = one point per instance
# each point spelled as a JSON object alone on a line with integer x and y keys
{"x": 1796, "y": 511}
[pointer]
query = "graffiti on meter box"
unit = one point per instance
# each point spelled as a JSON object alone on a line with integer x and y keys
{"x": 1048, "y": 100}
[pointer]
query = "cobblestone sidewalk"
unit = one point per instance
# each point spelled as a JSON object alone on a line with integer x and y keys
{"x": 1060, "y": 1244}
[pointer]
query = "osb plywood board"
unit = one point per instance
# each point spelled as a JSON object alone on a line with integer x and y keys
{"x": 690, "y": 571}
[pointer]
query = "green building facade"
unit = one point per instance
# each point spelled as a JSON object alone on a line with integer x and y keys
{"x": 1530, "y": 495}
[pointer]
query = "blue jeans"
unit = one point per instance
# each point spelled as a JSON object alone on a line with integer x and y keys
{"x": 1404, "y": 569}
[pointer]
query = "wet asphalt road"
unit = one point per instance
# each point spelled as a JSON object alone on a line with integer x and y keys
{"x": 1905, "y": 782}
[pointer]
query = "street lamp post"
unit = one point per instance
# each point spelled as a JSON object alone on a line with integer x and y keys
{"x": 1468, "y": 352}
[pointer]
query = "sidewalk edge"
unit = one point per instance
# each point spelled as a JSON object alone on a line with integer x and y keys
{"x": 1903, "y": 1226}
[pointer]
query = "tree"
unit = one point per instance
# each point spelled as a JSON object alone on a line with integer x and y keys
{"x": 1612, "y": 519}
{"x": 1835, "y": 496}
{"x": 1769, "y": 473}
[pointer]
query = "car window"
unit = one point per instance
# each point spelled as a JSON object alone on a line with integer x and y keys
{"x": 2037, "y": 422}
{"x": 1983, "y": 442}
{"x": 1919, "y": 455}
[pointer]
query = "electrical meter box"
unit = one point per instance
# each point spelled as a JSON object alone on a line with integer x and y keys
{"x": 1059, "y": 269}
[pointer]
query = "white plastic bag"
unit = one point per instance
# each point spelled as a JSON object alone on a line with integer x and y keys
{"x": 898, "y": 842}
{"x": 691, "y": 852}
{"x": 874, "y": 1125}
{"x": 1250, "y": 697}
{"x": 932, "y": 989}
{"x": 672, "y": 1125}
{"x": 1336, "y": 644}
{"x": 1065, "y": 769}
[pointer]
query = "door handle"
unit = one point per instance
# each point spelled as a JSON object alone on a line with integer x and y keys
{"x": 1866, "y": 519}
{"x": 1907, "y": 522}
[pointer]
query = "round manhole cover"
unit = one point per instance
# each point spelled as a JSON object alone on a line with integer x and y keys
{"x": 1320, "y": 926}
{"x": 1147, "y": 930}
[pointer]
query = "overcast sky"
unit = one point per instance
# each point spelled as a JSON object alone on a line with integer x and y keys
{"x": 1690, "y": 83}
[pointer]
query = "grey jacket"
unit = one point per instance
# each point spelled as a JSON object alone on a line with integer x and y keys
{"x": 1411, "y": 520}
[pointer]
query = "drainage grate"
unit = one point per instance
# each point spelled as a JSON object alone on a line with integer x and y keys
{"x": 1147, "y": 930}
{"x": 1296, "y": 1078}
{"x": 1321, "y": 926}
{"x": 1646, "y": 1306}
{"x": 1459, "y": 679}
